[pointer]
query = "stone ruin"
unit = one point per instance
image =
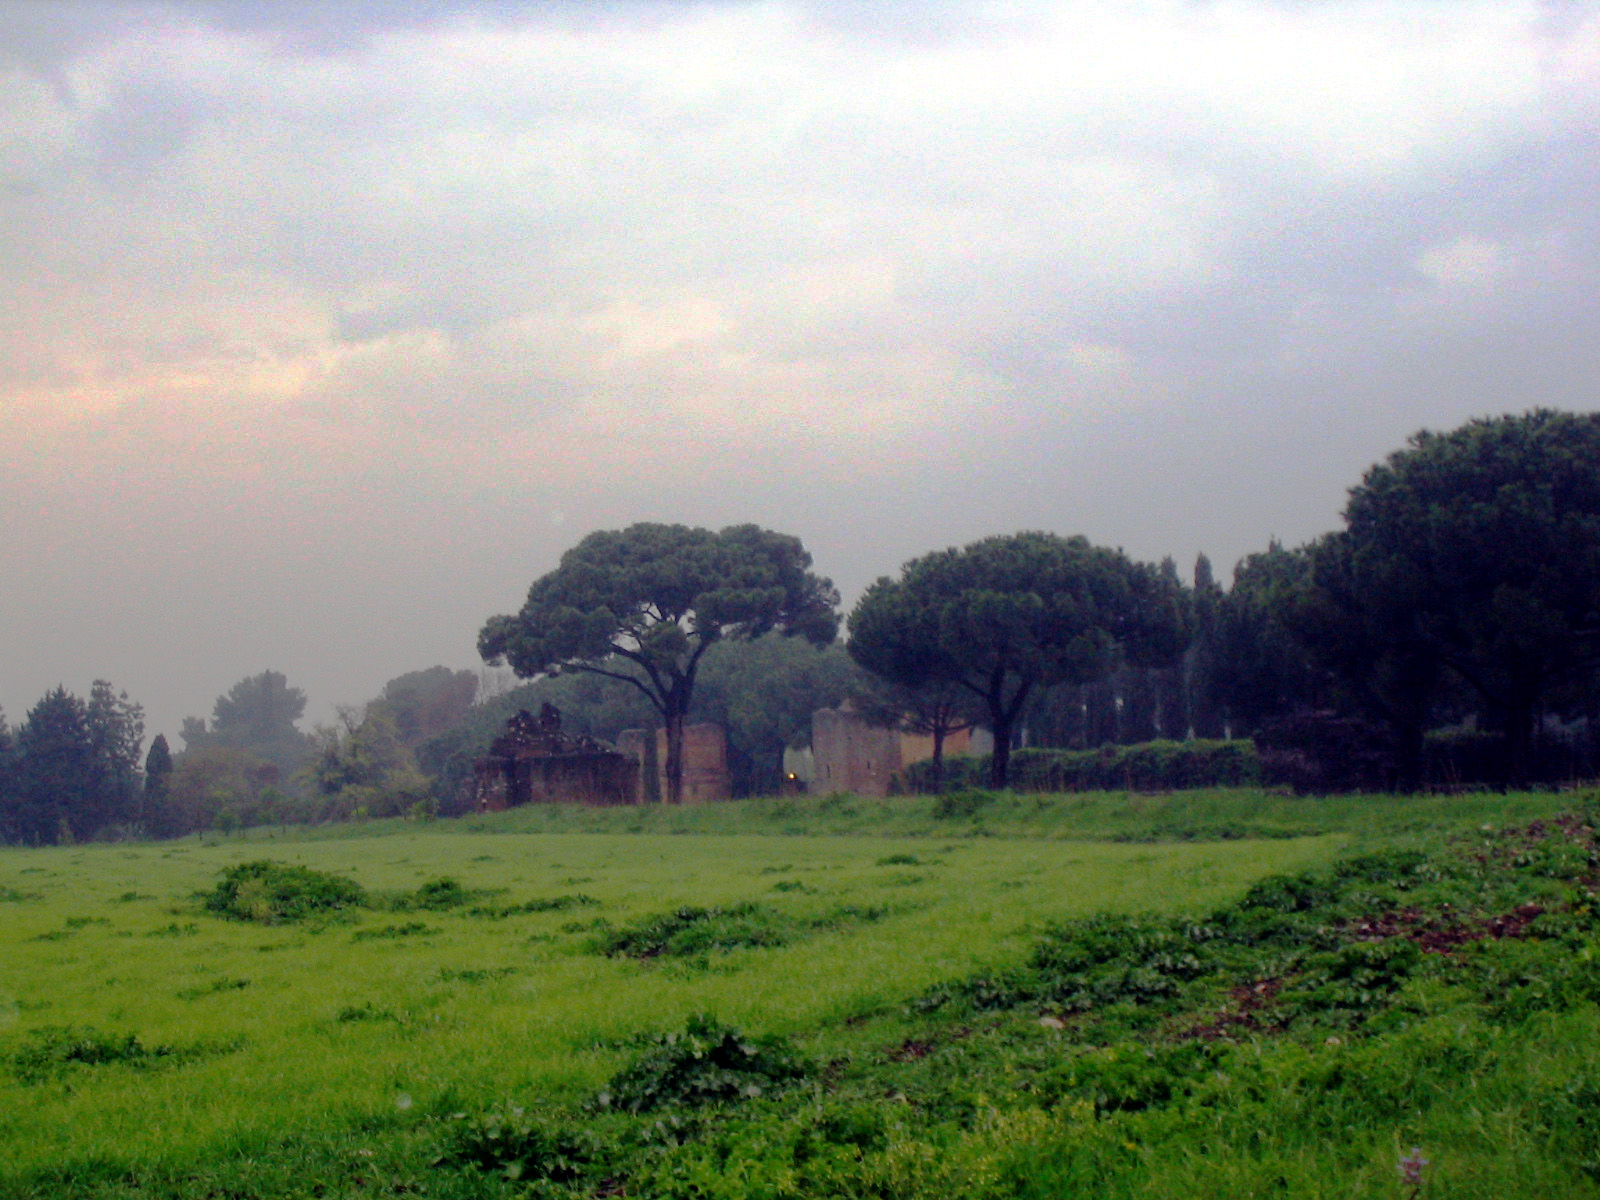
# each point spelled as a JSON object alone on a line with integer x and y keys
{"x": 535, "y": 762}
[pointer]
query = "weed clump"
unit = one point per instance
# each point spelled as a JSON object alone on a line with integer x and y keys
{"x": 272, "y": 893}
{"x": 389, "y": 932}
{"x": 707, "y": 1063}
{"x": 521, "y": 1147}
{"x": 691, "y": 931}
{"x": 52, "y": 1050}
{"x": 538, "y": 905}
{"x": 437, "y": 895}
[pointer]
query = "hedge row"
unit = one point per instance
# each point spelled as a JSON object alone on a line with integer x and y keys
{"x": 1145, "y": 767}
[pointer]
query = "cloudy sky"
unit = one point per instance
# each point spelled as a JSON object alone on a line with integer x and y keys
{"x": 325, "y": 328}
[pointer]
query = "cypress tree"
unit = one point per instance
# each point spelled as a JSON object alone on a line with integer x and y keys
{"x": 157, "y": 782}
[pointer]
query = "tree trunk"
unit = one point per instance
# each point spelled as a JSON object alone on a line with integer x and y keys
{"x": 938, "y": 757}
{"x": 1519, "y": 743}
{"x": 674, "y": 721}
{"x": 1409, "y": 744}
{"x": 1000, "y": 760}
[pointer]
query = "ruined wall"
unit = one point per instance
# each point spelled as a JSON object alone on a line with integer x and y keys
{"x": 850, "y": 755}
{"x": 534, "y": 762}
{"x": 705, "y": 763}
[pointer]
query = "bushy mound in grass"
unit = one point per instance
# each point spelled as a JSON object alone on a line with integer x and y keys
{"x": 272, "y": 893}
{"x": 707, "y": 1063}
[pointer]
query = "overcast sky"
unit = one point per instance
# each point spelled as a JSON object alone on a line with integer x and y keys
{"x": 326, "y": 328}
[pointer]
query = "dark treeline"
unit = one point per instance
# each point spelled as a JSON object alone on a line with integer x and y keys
{"x": 1448, "y": 634}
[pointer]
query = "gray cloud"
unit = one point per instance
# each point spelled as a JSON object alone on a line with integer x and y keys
{"x": 325, "y": 328}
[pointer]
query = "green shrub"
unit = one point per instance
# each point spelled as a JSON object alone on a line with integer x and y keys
{"x": 272, "y": 892}
{"x": 707, "y": 1063}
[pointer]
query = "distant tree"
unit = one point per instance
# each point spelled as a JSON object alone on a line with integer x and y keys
{"x": 1365, "y": 640}
{"x": 1008, "y": 614}
{"x": 257, "y": 715}
{"x": 424, "y": 704}
{"x": 207, "y": 781}
{"x": 8, "y": 774}
{"x": 1260, "y": 668}
{"x": 1204, "y": 712}
{"x": 1100, "y": 726}
{"x": 764, "y": 692}
{"x": 116, "y": 731}
{"x": 157, "y": 781}
{"x": 363, "y": 767}
{"x": 1487, "y": 540}
{"x": 659, "y": 597}
{"x": 1138, "y": 704}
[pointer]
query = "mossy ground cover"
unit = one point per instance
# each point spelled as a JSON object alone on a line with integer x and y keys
{"x": 960, "y": 1010}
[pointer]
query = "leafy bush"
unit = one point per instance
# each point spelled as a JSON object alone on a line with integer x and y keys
{"x": 707, "y": 1063}
{"x": 272, "y": 892}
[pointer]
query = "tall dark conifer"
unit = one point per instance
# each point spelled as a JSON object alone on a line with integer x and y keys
{"x": 55, "y": 777}
{"x": 1200, "y": 663}
{"x": 157, "y": 784}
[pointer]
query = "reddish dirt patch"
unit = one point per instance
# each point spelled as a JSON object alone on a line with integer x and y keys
{"x": 1439, "y": 933}
{"x": 910, "y": 1050}
{"x": 1241, "y": 1015}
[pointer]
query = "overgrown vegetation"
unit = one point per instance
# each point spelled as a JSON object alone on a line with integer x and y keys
{"x": 1331, "y": 1011}
{"x": 1042, "y": 1018}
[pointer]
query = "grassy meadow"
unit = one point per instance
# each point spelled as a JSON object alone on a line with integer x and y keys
{"x": 150, "y": 1046}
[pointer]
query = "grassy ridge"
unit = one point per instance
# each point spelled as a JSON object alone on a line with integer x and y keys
{"x": 337, "y": 1049}
{"x": 1201, "y": 815}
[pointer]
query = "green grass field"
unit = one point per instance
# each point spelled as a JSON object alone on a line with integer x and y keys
{"x": 331, "y": 1056}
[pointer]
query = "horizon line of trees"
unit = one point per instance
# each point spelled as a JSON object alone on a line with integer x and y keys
{"x": 1463, "y": 594}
